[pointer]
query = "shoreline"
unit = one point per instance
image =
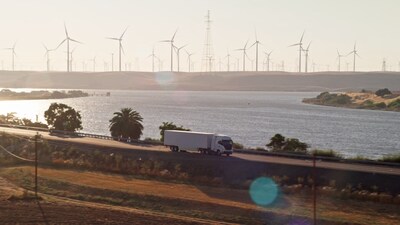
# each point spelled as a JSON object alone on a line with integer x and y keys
{"x": 356, "y": 100}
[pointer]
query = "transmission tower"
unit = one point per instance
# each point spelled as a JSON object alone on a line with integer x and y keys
{"x": 208, "y": 53}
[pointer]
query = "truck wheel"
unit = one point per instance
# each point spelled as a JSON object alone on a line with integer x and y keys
{"x": 218, "y": 153}
{"x": 176, "y": 149}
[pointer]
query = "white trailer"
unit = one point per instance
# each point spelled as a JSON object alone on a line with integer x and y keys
{"x": 206, "y": 143}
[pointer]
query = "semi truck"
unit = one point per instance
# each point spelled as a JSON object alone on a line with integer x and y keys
{"x": 205, "y": 143}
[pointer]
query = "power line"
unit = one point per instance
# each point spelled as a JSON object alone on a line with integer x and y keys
{"x": 15, "y": 156}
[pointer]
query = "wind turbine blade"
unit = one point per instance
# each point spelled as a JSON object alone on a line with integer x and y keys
{"x": 75, "y": 41}
{"x": 338, "y": 52}
{"x": 294, "y": 45}
{"x": 15, "y": 43}
{"x": 61, "y": 43}
{"x": 165, "y": 41}
{"x": 112, "y": 38}
{"x": 309, "y": 45}
{"x": 66, "y": 31}
{"x": 182, "y": 47}
{"x": 301, "y": 39}
{"x": 45, "y": 47}
{"x": 255, "y": 32}
{"x": 253, "y": 44}
{"x": 173, "y": 37}
{"x": 246, "y": 44}
{"x": 350, "y": 53}
{"x": 124, "y": 33}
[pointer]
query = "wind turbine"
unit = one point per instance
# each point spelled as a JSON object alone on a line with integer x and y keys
{"x": 244, "y": 55}
{"x": 172, "y": 49}
{"x": 72, "y": 58}
{"x": 67, "y": 39}
{"x": 354, "y": 52}
{"x": 121, "y": 49}
{"x": 256, "y": 43}
{"x": 152, "y": 56}
{"x": 178, "y": 53}
{"x": 306, "y": 56}
{"x": 13, "y": 54}
{"x": 300, "y": 44}
{"x": 94, "y": 63}
{"x": 228, "y": 63}
{"x": 339, "y": 56}
{"x": 268, "y": 59}
{"x": 189, "y": 61}
{"x": 47, "y": 55}
{"x": 210, "y": 59}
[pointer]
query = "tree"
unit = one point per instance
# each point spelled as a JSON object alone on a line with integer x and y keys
{"x": 63, "y": 117}
{"x": 169, "y": 126}
{"x": 126, "y": 124}
{"x": 280, "y": 143}
{"x": 383, "y": 92}
{"x": 276, "y": 142}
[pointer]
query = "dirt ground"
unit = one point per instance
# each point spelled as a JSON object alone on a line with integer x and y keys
{"x": 359, "y": 98}
{"x": 54, "y": 210}
{"x": 200, "y": 198}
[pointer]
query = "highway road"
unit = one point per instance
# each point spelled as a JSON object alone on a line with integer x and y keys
{"x": 251, "y": 157}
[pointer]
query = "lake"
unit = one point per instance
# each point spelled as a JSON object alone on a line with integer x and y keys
{"x": 250, "y": 118}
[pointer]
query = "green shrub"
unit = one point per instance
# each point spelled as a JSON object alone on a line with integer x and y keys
{"x": 326, "y": 153}
{"x": 394, "y": 104}
{"x": 393, "y": 158}
{"x": 383, "y": 92}
{"x": 279, "y": 143}
{"x": 380, "y": 105}
{"x": 237, "y": 146}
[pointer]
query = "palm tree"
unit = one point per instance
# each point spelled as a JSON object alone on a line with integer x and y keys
{"x": 126, "y": 124}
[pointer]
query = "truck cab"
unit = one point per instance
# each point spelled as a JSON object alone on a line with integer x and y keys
{"x": 222, "y": 145}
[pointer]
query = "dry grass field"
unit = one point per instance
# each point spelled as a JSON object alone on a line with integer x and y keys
{"x": 182, "y": 201}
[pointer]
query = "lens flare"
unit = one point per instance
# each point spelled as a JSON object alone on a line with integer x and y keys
{"x": 263, "y": 191}
{"x": 164, "y": 78}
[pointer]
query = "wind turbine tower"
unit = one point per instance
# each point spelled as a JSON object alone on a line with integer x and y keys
{"x": 47, "y": 55}
{"x": 384, "y": 65}
{"x": 189, "y": 60}
{"x": 244, "y": 55}
{"x": 208, "y": 49}
{"x": 228, "y": 56}
{"x": 268, "y": 59}
{"x": 153, "y": 56}
{"x": 178, "y": 50}
{"x": 256, "y": 43}
{"x": 13, "y": 54}
{"x": 172, "y": 49}
{"x": 306, "y": 56}
{"x": 354, "y": 52}
{"x": 339, "y": 56}
{"x": 300, "y": 44}
{"x": 120, "y": 48}
{"x": 67, "y": 39}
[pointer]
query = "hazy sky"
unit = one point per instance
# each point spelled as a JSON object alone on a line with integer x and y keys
{"x": 330, "y": 25}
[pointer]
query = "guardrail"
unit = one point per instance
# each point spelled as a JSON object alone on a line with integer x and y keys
{"x": 245, "y": 151}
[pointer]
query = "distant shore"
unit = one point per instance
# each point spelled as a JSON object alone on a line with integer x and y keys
{"x": 6, "y": 94}
{"x": 202, "y": 81}
{"x": 357, "y": 100}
